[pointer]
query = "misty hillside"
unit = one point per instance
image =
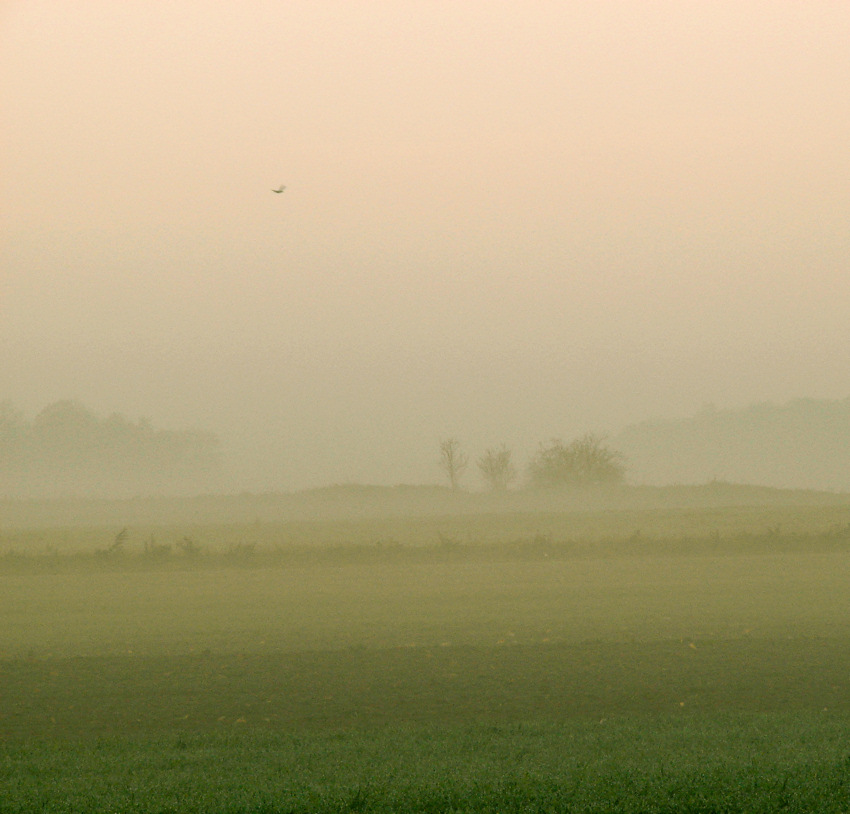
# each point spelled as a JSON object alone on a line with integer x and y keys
{"x": 804, "y": 444}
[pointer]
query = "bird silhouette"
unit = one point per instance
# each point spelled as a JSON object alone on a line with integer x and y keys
{"x": 278, "y": 191}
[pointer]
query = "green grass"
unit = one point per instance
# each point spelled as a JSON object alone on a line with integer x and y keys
{"x": 452, "y": 686}
{"x": 752, "y": 763}
{"x": 655, "y": 682}
{"x": 387, "y": 605}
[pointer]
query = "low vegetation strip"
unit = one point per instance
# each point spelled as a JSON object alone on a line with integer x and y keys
{"x": 187, "y": 553}
{"x": 88, "y": 697}
{"x": 560, "y": 531}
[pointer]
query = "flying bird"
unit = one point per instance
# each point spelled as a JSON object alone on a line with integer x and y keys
{"x": 278, "y": 191}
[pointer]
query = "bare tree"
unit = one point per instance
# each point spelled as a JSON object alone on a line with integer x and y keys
{"x": 452, "y": 460}
{"x": 497, "y": 469}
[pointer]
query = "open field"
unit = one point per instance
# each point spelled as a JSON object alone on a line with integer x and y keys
{"x": 489, "y": 677}
{"x": 454, "y": 686}
{"x": 416, "y": 605}
{"x": 787, "y": 762}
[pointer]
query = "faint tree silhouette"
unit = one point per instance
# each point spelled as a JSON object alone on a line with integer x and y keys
{"x": 453, "y": 461}
{"x": 497, "y": 469}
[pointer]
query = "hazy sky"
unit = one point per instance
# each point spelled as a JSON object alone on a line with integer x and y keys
{"x": 504, "y": 221}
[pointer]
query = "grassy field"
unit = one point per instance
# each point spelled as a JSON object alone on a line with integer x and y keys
{"x": 722, "y": 763}
{"x": 493, "y": 676}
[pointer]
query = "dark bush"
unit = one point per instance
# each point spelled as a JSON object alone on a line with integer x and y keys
{"x": 585, "y": 461}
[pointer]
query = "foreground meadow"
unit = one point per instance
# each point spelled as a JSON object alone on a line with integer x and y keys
{"x": 720, "y": 763}
{"x": 540, "y": 678}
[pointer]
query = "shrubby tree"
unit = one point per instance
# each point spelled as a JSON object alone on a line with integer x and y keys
{"x": 497, "y": 469}
{"x": 584, "y": 461}
{"x": 453, "y": 461}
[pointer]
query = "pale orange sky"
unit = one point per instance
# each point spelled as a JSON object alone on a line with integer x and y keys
{"x": 503, "y": 221}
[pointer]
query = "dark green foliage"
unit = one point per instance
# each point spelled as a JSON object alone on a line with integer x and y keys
{"x": 760, "y": 764}
{"x": 335, "y": 690}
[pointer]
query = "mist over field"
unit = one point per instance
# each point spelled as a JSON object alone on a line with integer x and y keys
{"x": 424, "y": 406}
{"x": 803, "y": 444}
{"x": 505, "y": 223}
{"x": 67, "y": 451}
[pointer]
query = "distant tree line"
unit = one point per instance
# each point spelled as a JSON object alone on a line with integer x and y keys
{"x": 585, "y": 461}
{"x": 67, "y": 449}
{"x": 801, "y": 444}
